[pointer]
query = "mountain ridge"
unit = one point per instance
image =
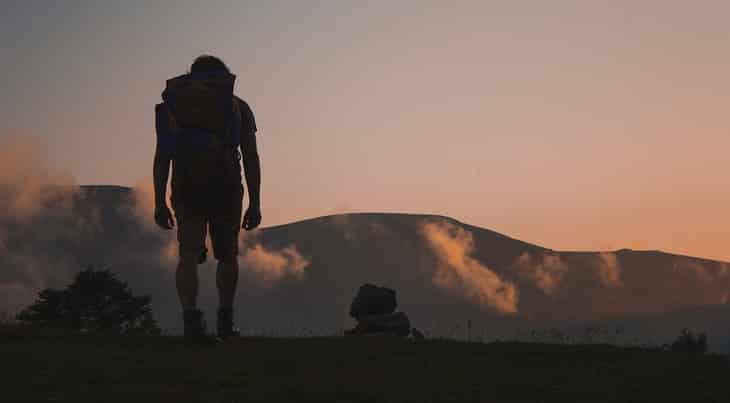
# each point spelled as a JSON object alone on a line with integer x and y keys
{"x": 303, "y": 275}
{"x": 129, "y": 190}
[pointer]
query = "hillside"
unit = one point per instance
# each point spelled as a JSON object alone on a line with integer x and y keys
{"x": 299, "y": 278}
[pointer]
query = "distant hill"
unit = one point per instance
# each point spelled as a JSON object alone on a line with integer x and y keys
{"x": 300, "y": 277}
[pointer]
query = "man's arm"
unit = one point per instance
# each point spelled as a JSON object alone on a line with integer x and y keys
{"x": 161, "y": 168}
{"x": 160, "y": 174}
{"x": 252, "y": 172}
{"x": 251, "y": 168}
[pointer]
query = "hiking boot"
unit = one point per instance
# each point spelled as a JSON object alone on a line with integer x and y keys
{"x": 225, "y": 324}
{"x": 194, "y": 327}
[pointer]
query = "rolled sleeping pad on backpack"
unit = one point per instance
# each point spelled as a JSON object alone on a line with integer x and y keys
{"x": 201, "y": 101}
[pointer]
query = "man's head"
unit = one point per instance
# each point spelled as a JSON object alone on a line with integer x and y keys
{"x": 208, "y": 64}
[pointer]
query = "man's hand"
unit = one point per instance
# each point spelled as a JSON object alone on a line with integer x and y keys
{"x": 252, "y": 218}
{"x": 163, "y": 217}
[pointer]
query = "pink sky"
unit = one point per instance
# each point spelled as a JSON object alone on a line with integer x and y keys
{"x": 570, "y": 125}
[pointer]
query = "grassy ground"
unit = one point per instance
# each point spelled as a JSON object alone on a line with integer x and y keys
{"x": 78, "y": 368}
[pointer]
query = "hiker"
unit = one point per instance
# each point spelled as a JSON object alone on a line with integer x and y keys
{"x": 200, "y": 125}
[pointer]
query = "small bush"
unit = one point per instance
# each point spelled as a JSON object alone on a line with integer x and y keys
{"x": 689, "y": 343}
{"x": 6, "y": 318}
{"x": 96, "y": 301}
{"x": 549, "y": 336}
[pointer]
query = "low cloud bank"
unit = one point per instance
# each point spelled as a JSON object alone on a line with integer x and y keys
{"x": 35, "y": 204}
{"x": 609, "y": 270}
{"x": 461, "y": 274}
{"x": 27, "y": 182}
{"x": 267, "y": 265}
{"x": 50, "y": 228}
{"x": 270, "y": 266}
{"x": 142, "y": 211}
{"x": 28, "y": 185}
{"x": 358, "y": 230}
{"x": 546, "y": 271}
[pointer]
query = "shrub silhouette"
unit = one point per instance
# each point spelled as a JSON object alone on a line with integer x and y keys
{"x": 6, "y": 318}
{"x": 95, "y": 301}
{"x": 689, "y": 343}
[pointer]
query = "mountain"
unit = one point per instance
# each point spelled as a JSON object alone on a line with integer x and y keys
{"x": 299, "y": 278}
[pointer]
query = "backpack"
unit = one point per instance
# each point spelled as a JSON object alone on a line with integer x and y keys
{"x": 205, "y": 121}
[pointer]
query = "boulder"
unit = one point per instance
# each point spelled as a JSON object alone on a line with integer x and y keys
{"x": 417, "y": 334}
{"x": 392, "y": 324}
{"x": 373, "y": 300}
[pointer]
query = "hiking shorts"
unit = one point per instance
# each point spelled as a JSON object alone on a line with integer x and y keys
{"x": 201, "y": 213}
{"x": 224, "y": 226}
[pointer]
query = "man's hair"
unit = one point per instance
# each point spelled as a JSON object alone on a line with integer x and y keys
{"x": 208, "y": 64}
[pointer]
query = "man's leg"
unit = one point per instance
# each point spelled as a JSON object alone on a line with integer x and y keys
{"x": 186, "y": 280}
{"x": 226, "y": 277}
{"x": 191, "y": 235}
{"x": 224, "y": 234}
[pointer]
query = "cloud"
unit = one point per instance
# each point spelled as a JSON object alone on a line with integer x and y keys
{"x": 609, "y": 270}
{"x": 27, "y": 182}
{"x": 460, "y": 273}
{"x": 546, "y": 271}
{"x": 270, "y": 266}
{"x": 701, "y": 273}
{"x": 359, "y": 227}
{"x": 50, "y": 228}
{"x": 36, "y": 208}
{"x": 36, "y": 203}
{"x": 143, "y": 204}
{"x": 142, "y": 210}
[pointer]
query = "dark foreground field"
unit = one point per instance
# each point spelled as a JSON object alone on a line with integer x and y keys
{"x": 157, "y": 369}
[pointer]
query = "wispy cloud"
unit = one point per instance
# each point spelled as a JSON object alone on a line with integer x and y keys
{"x": 271, "y": 266}
{"x": 27, "y": 182}
{"x": 461, "y": 274}
{"x": 608, "y": 269}
{"x": 546, "y": 271}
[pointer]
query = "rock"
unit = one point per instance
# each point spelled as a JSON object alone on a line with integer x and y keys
{"x": 392, "y": 324}
{"x": 373, "y": 300}
{"x": 374, "y": 310}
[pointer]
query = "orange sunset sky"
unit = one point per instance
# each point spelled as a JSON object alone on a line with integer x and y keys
{"x": 569, "y": 124}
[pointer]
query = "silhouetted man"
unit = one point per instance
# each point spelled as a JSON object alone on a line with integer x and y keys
{"x": 200, "y": 125}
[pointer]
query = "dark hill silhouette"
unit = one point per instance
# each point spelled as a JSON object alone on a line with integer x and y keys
{"x": 102, "y": 225}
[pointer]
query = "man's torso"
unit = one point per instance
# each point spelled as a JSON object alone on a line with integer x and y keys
{"x": 206, "y": 179}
